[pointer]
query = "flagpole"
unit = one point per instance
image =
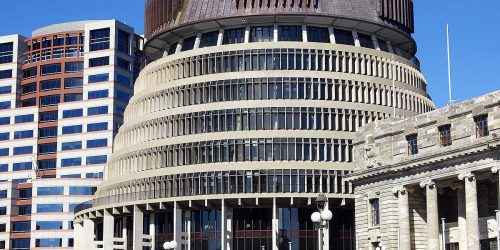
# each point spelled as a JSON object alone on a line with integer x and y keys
{"x": 449, "y": 64}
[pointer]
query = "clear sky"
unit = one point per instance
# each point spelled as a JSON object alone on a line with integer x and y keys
{"x": 474, "y": 31}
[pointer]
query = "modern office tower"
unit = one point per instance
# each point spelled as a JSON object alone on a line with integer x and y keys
{"x": 63, "y": 93}
{"x": 244, "y": 114}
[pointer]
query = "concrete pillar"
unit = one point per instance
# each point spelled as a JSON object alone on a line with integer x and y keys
{"x": 404, "y": 217}
{"x": 471, "y": 211}
{"x": 124, "y": 232}
{"x": 495, "y": 170}
{"x": 88, "y": 235}
{"x": 462, "y": 222}
{"x": 108, "y": 230}
{"x": 432, "y": 214}
{"x": 152, "y": 230}
{"x": 178, "y": 223}
{"x": 138, "y": 226}
{"x": 227, "y": 224}
{"x": 79, "y": 235}
{"x": 275, "y": 226}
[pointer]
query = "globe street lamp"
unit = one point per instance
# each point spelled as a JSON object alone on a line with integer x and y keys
{"x": 170, "y": 245}
{"x": 321, "y": 218}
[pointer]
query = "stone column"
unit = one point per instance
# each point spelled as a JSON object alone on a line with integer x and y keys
{"x": 462, "y": 222}
{"x": 152, "y": 230}
{"x": 404, "y": 217}
{"x": 275, "y": 226}
{"x": 138, "y": 226}
{"x": 471, "y": 211}
{"x": 178, "y": 224}
{"x": 108, "y": 230}
{"x": 88, "y": 235}
{"x": 495, "y": 170}
{"x": 432, "y": 214}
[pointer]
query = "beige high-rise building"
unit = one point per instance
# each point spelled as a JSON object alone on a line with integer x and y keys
{"x": 245, "y": 112}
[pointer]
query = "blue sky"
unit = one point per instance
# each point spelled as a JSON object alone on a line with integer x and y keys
{"x": 474, "y": 31}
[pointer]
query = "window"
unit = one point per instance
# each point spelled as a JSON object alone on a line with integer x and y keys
{"x": 71, "y": 39}
{"x": 29, "y": 88}
{"x": 21, "y": 166}
{"x": 71, "y": 145}
{"x": 98, "y": 159}
{"x": 445, "y": 135}
{"x": 209, "y": 39}
{"x": 4, "y": 74}
{"x": 172, "y": 48}
{"x": 318, "y": 34}
{"x": 73, "y": 67}
{"x": 188, "y": 43}
{"x": 49, "y": 208}
{"x": 122, "y": 63}
{"x": 82, "y": 190}
{"x": 97, "y": 143}
{"x": 29, "y": 73}
{"x": 73, "y": 97}
{"x": 23, "y": 134}
{"x": 24, "y": 118}
{"x": 25, "y": 193}
{"x": 71, "y": 176}
{"x": 47, "y": 132}
{"x": 47, "y": 148}
{"x": 72, "y": 113}
{"x": 47, "y": 164}
{"x": 123, "y": 42}
{"x": 3, "y": 194}
{"x": 72, "y": 129}
{"x": 50, "y": 69}
{"x": 97, "y": 126}
{"x": 70, "y": 162}
{"x": 21, "y": 226}
{"x": 50, "y": 84}
{"x": 48, "y": 116}
{"x": 290, "y": 33}
{"x": 24, "y": 150}
{"x": 48, "y": 225}
{"x": 4, "y": 152}
{"x": 4, "y": 136}
{"x": 383, "y": 45}
{"x": 25, "y": 210}
{"x": 365, "y": 41}
{"x": 20, "y": 243}
{"x": 412, "y": 144}
{"x": 6, "y": 52}
{"x": 262, "y": 34}
{"x": 46, "y": 43}
{"x": 49, "y": 242}
{"x": 374, "y": 212}
{"x": 50, "y": 100}
{"x": 97, "y": 110}
{"x": 343, "y": 37}
{"x": 233, "y": 36}
{"x": 94, "y": 175}
{"x": 99, "y": 78}
{"x": 123, "y": 80}
{"x": 99, "y": 39}
{"x": 122, "y": 96}
{"x": 73, "y": 83}
{"x": 5, "y": 90}
{"x": 99, "y": 61}
{"x": 44, "y": 191}
{"x": 481, "y": 125}
{"x": 98, "y": 94}
{"x": 3, "y": 210}
{"x": 4, "y": 120}
{"x": 28, "y": 103}
{"x": 5, "y": 105}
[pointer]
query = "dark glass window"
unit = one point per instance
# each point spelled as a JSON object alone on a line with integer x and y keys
{"x": 21, "y": 166}
{"x": 5, "y": 90}
{"x": 50, "y": 100}
{"x": 46, "y": 43}
{"x": 48, "y": 116}
{"x": 29, "y": 88}
{"x": 123, "y": 42}
{"x": 23, "y": 134}
{"x": 70, "y": 162}
{"x": 4, "y": 152}
{"x": 343, "y": 37}
{"x": 72, "y": 113}
{"x": 122, "y": 63}
{"x": 99, "y": 61}
{"x": 122, "y": 96}
{"x": 20, "y": 243}
{"x": 25, "y": 210}
{"x": 445, "y": 135}
{"x": 3, "y": 210}
{"x": 73, "y": 97}
{"x": 97, "y": 110}
{"x": 4, "y": 74}
{"x": 24, "y": 150}
{"x": 47, "y": 148}
{"x": 71, "y": 39}
{"x": 5, "y": 105}
{"x": 71, "y": 145}
{"x": 262, "y": 34}
{"x": 383, "y": 45}
{"x": 50, "y": 84}
{"x": 188, "y": 43}
{"x": 98, "y": 94}
{"x": 5, "y": 136}
{"x": 98, "y": 159}
{"x": 412, "y": 144}
{"x": 50, "y": 69}
{"x": 48, "y": 242}
{"x": 97, "y": 126}
{"x": 4, "y": 120}
{"x": 48, "y": 225}
{"x": 26, "y": 193}
{"x": 44, "y": 191}
{"x": 28, "y": 102}
{"x": 24, "y": 118}
{"x": 209, "y": 39}
{"x": 82, "y": 190}
{"x": 374, "y": 212}
{"x": 73, "y": 67}
{"x": 99, "y": 78}
{"x": 290, "y": 33}
{"x": 58, "y": 41}
{"x": 21, "y": 226}
{"x": 123, "y": 79}
{"x": 97, "y": 143}
{"x": 72, "y": 129}
{"x": 233, "y": 36}
{"x": 47, "y": 132}
{"x": 49, "y": 208}
{"x": 99, "y": 39}
{"x": 318, "y": 34}
{"x": 172, "y": 48}
{"x": 6, "y": 52}
{"x": 47, "y": 164}
{"x": 73, "y": 83}
{"x": 365, "y": 41}
{"x": 28, "y": 73}
{"x": 481, "y": 125}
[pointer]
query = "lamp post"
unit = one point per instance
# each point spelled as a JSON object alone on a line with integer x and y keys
{"x": 170, "y": 245}
{"x": 321, "y": 218}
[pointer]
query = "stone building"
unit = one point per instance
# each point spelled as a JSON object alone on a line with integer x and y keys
{"x": 443, "y": 165}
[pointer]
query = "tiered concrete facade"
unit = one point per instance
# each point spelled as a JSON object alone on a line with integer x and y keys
{"x": 413, "y": 173}
{"x": 238, "y": 123}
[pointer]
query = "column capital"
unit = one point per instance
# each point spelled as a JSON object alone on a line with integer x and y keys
{"x": 495, "y": 169}
{"x": 466, "y": 175}
{"x": 401, "y": 189}
{"x": 427, "y": 183}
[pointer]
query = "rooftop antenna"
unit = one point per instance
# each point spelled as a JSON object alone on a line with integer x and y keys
{"x": 450, "y": 101}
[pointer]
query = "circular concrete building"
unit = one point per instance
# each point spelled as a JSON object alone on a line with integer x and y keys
{"x": 244, "y": 114}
